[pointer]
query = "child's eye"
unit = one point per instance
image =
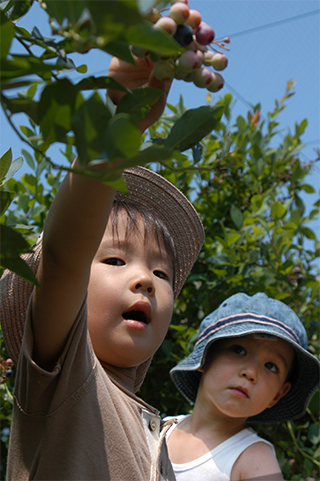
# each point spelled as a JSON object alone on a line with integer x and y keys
{"x": 114, "y": 261}
{"x": 239, "y": 350}
{"x": 161, "y": 275}
{"x": 271, "y": 366}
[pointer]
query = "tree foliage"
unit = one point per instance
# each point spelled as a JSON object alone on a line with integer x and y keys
{"x": 247, "y": 189}
{"x": 246, "y": 186}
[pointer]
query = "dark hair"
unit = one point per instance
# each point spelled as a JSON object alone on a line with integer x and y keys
{"x": 153, "y": 226}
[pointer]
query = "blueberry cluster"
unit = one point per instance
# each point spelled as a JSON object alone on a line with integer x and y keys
{"x": 197, "y": 38}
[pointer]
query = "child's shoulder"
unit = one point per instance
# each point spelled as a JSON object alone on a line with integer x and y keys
{"x": 257, "y": 461}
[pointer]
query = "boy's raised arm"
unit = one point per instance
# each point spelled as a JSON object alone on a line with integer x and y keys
{"x": 72, "y": 234}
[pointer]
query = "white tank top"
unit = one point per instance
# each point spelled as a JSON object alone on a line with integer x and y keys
{"x": 217, "y": 464}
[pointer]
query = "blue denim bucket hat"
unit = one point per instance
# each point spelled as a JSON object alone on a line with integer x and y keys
{"x": 240, "y": 315}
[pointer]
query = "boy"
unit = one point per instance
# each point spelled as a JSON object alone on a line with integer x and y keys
{"x": 250, "y": 364}
{"x": 110, "y": 267}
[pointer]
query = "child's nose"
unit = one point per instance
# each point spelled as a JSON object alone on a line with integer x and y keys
{"x": 144, "y": 286}
{"x": 143, "y": 281}
{"x": 250, "y": 373}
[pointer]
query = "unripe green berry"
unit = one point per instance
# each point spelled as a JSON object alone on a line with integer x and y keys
{"x": 208, "y": 56}
{"x": 179, "y": 74}
{"x": 154, "y": 57}
{"x": 164, "y": 70}
{"x": 219, "y": 61}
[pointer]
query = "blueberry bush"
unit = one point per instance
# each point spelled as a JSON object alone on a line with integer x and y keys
{"x": 246, "y": 184}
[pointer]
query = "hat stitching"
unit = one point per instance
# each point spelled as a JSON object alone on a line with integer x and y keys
{"x": 237, "y": 319}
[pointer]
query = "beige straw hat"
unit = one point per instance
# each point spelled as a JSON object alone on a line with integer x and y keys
{"x": 145, "y": 188}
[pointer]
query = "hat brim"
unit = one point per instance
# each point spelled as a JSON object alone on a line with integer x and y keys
{"x": 170, "y": 205}
{"x": 186, "y": 376}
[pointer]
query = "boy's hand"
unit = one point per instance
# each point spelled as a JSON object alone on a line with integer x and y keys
{"x": 133, "y": 77}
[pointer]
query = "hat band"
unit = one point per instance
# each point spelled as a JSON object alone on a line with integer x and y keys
{"x": 240, "y": 318}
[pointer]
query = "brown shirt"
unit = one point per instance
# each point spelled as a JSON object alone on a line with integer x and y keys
{"x": 78, "y": 423}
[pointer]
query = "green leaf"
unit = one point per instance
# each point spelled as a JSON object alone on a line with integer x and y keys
{"x": 89, "y": 123}
{"x": 16, "y": 85}
{"x": 308, "y": 233}
{"x": 232, "y": 238}
{"x": 25, "y": 105}
{"x": 6, "y": 33}
{"x": 156, "y": 153}
{"x": 314, "y": 433}
{"x": 56, "y": 106}
{"x": 16, "y": 164}
{"x": 12, "y": 245}
{"x": 277, "y": 210}
{"x": 139, "y": 102}
{"x": 145, "y": 36}
{"x": 68, "y": 9}
{"x": 120, "y": 50}
{"x": 236, "y": 216}
{"x": 22, "y": 66}
{"x": 314, "y": 403}
{"x": 193, "y": 126}
{"x": 5, "y": 162}
{"x": 20, "y": 8}
{"x": 95, "y": 83}
{"x": 28, "y": 158}
{"x": 123, "y": 137}
{"x": 82, "y": 68}
{"x": 112, "y": 18}
{"x": 307, "y": 188}
{"x": 219, "y": 260}
{"x": 6, "y": 197}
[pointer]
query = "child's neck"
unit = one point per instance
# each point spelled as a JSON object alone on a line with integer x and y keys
{"x": 199, "y": 433}
{"x": 212, "y": 427}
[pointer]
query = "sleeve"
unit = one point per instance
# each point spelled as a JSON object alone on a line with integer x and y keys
{"x": 38, "y": 391}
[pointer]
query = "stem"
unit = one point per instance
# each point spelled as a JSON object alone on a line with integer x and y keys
{"x": 298, "y": 447}
{"x": 32, "y": 54}
{"x": 312, "y": 416}
{"x": 186, "y": 169}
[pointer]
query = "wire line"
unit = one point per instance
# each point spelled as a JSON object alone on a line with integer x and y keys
{"x": 274, "y": 24}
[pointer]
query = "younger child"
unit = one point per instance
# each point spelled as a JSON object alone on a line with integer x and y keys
{"x": 110, "y": 267}
{"x": 250, "y": 364}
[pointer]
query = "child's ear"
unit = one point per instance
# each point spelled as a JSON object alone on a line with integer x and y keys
{"x": 282, "y": 392}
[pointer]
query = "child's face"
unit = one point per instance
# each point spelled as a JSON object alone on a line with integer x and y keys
{"x": 130, "y": 297}
{"x": 245, "y": 376}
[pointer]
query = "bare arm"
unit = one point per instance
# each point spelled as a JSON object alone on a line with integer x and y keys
{"x": 256, "y": 463}
{"x": 73, "y": 230}
{"x": 72, "y": 234}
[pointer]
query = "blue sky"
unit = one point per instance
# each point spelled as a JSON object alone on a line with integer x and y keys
{"x": 272, "y": 41}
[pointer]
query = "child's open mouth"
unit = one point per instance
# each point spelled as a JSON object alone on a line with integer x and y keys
{"x": 139, "y": 316}
{"x": 136, "y": 316}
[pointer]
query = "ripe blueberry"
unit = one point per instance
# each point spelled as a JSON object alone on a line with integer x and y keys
{"x": 184, "y": 35}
